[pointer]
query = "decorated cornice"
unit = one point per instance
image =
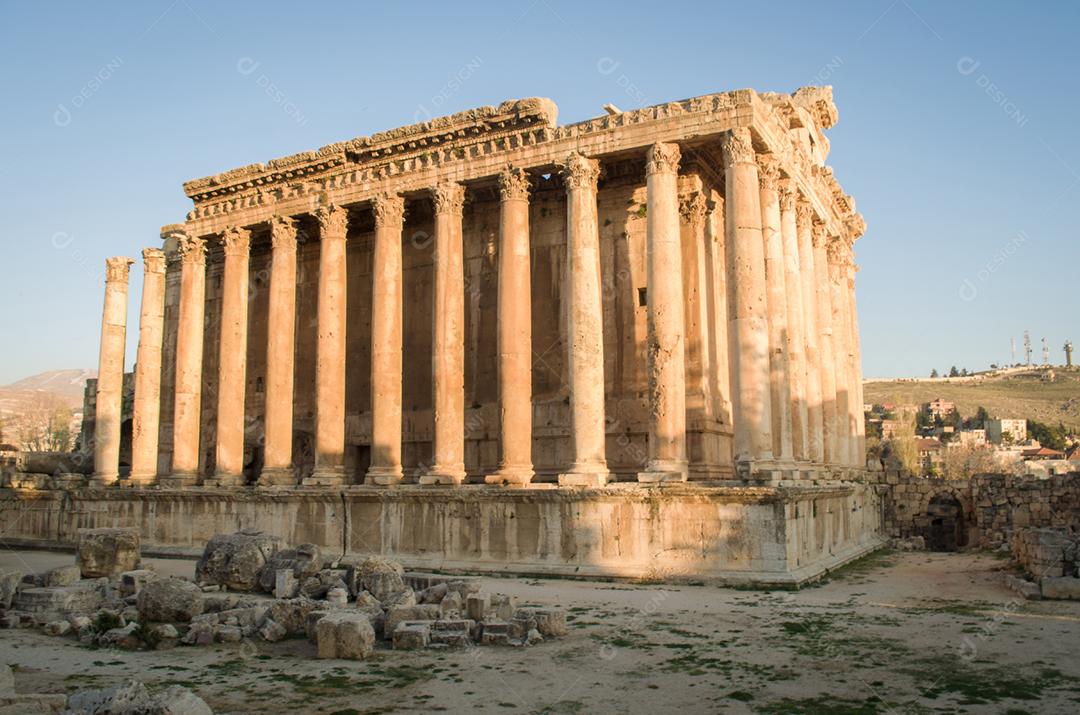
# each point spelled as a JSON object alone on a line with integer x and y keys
{"x": 117, "y": 269}
{"x": 514, "y": 184}
{"x": 662, "y": 157}
{"x": 579, "y": 172}
{"x": 153, "y": 260}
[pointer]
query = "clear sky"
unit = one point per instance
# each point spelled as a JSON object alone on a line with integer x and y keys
{"x": 957, "y": 134}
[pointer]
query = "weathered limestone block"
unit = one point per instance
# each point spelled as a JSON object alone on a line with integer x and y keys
{"x": 345, "y": 635}
{"x": 337, "y": 596}
{"x": 433, "y": 594}
{"x": 61, "y": 576}
{"x": 82, "y": 597}
{"x": 477, "y": 605}
{"x": 9, "y": 583}
{"x": 272, "y": 631}
{"x": 451, "y": 605}
{"x": 7, "y": 679}
{"x": 503, "y": 606}
{"x": 304, "y": 561}
{"x": 291, "y": 614}
{"x": 107, "y": 552}
{"x": 410, "y": 635}
{"x": 404, "y": 597}
{"x": 495, "y": 632}
{"x": 170, "y": 599}
{"x": 57, "y": 628}
{"x": 134, "y": 699}
{"x": 1061, "y": 588}
{"x": 397, "y": 614}
{"x": 124, "y": 637}
{"x": 236, "y": 561}
{"x": 131, "y": 582}
{"x": 33, "y": 704}
{"x": 285, "y": 584}
{"x": 549, "y": 621}
{"x": 381, "y": 577}
{"x": 455, "y": 633}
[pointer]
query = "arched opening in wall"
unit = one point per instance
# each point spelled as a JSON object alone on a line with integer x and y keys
{"x": 945, "y": 527}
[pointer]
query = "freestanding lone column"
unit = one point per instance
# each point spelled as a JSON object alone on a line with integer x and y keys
{"x": 584, "y": 325}
{"x": 232, "y": 360}
{"x": 386, "y": 320}
{"x": 666, "y": 326}
{"x": 448, "y": 340}
{"x": 749, "y": 325}
{"x": 110, "y": 381}
{"x": 815, "y": 429}
{"x": 187, "y": 411}
{"x": 776, "y": 292}
{"x": 514, "y": 332}
{"x": 146, "y": 416}
{"x": 277, "y": 468}
{"x": 330, "y": 351}
{"x": 827, "y": 363}
{"x": 796, "y": 337}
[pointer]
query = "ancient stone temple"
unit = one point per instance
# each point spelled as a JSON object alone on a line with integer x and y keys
{"x": 629, "y": 334}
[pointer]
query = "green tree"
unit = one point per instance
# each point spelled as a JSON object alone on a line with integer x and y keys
{"x": 1047, "y": 435}
{"x": 953, "y": 372}
{"x": 934, "y": 373}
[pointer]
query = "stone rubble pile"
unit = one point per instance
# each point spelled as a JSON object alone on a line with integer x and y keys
{"x": 1051, "y": 557}
{"x": 251, "y": 586}
{"x": 132, "y": 698}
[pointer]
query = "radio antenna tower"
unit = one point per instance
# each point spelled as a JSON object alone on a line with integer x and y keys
{"x": 1027, "y": 348}
{"x": 1012, "y": 342}
{"x": 1046, "y": 353}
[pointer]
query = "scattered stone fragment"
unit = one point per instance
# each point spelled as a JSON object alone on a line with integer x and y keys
{"x": 397, "y": 614}
{"x": 133, "y": 698}
{"x": 503, "y": 605}
{"x": 7, "y": 679}
{"x": 477, "y": 605}
{"x": 495, "y": 632}
{"x": 57, "y": 628}
{"x": 303, "y": 561}
{"x": 236, "y": 561}
{"x": 433, "y": 594}
{"x": 551, "y": 622}
{"x": 9, "y": 583}
{"x": 451, "y": 605}
{"x": 107, "y": 552}
{"x": 61, "y": 576}
{"x": 170, "y": 600}
{"x": 291, "y": 614}
{"x": 1061, "y": 587}
{"x": 228, "y": 634}
{"x": 131, "y": 582}
{"x": 404, "y": 597}
{"x": 272, "y": 631}
{"x": 285, "y": 584}
{"x": 345, "y": 635}
{"x": 533, "y": 637}
{"x": 412, "y": 635}
{"x": 125, "y": 637}
{"x": 338, "y": 596}
{"x": 380, "y": 576}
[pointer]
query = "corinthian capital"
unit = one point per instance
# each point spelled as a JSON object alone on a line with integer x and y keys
{"x": 236, "y": 241}
{"x": 116, "y": 269}
{"x": 788, "y": 195}
{"x": 333, "y": 220}
{"x": 768, "y": 172}
{"x": 283, "y": 233}
{"x": 736, "y": 146}
{"x": 804, "y": 213}
{"x": 449, "y": 197}
{"x": 192, "y": 250}
{"x": 153, "y": 260}
{"x": 662, "y": 157}
{"x": 580, "y": 172}
{"x": 389, "y": 210}
{"x": 514, "y": 184}
{"x": 820, "y": 234}
{"x": 692, "y": 208}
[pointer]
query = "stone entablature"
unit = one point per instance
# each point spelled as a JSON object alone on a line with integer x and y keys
{"x": 477, "y": 144}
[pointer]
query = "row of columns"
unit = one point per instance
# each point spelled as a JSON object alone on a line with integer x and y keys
{"x": 792, "y": 337}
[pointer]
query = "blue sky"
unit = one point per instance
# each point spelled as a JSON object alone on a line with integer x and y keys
{"x": 956, "y": 134}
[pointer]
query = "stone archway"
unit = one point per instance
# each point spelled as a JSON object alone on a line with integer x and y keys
{"x": 945, "y": 529}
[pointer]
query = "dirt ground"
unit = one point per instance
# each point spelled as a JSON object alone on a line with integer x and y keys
{"x": 893, "y": 633}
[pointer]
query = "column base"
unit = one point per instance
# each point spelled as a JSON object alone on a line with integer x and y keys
{"x": 384, "y": 476}
{"x": 665, "y": 470}
{"x": 224, "y": 481}
{"x": 98, "y": 481}
{"x": 177, "y": 481}
{"x": 584, "y": 477}
{"x": 325, "y": 477}
{"x": 139, "y": 481}
{"x": 511, "y": 476}
{"x": 276, "y": 477}
{"x": 442, "y": 478}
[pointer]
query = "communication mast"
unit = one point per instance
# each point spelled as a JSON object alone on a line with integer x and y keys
{"x": 1012, "y": 342}
{"x": 1046, "y": 353}
{"x": 1027, "y": 348}
{"x": 1068, "y": 353}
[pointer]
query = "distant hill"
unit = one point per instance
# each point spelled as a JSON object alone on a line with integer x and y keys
{"x": 1024, "y": 394}
{"x": 68, "y": 384}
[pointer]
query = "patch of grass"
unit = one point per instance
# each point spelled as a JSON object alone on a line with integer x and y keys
{"x": 824, "y": 705}
{"x": 975, "y": 685}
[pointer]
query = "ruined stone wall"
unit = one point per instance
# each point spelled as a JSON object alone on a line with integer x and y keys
{"x": 993, "y": 506}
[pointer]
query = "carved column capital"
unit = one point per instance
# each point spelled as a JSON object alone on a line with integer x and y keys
{"x": 768, "y": 172}
{"x": 236, "y": 241}
{"x": 736, "y": 146}
{"x": 333, "y": 220}
{"x": 856, "y": 226}
{"x": 389, "y": 209}
{"x": 514, "y": 184}
{"x": 116, "y": 269}
{"x": 192, "y": 250}
{"x": 283, "y": 233}
{"x": 580, "y": 172}
{"x": 449, "y": 197}
{"x": 692, "y": 208}
{"x": 788, "y": 195}
{"x": 804, "y": 213}
{"x": 153, "y": 260}
{"x": 662, "y": 157}
{"x": 820, "y": 234}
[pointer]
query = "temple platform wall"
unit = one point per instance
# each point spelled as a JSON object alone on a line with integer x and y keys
{"x": 677, "y": 533}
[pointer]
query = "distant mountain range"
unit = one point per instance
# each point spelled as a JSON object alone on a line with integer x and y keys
{"x": 65, "y": 386}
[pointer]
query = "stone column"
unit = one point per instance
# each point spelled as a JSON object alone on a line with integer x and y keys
{"x": 827, "y": 362}
{"x": 232, "y": 360}
{"x": 110, "y": 380}
{"x": 330, "y": 351}
{"x": 585, "y": 339}
{"x": 815, "y": 430}
{"x": 187, "y": 405}
{"x": 666, "y": 322}
{"x": 386, "y": 320}
{"x": 146, "y": 411}
{"x": 856, "y": 227}
{"x": 277, "y": 468}
{"x": 834, "y": 252}
{"x": 776, "y": 299}
{"x": 748, "y": 331}
{"x": 796, "y": 337}
{"x": 514, "y": 332}
{"x": 448, "y": 340}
